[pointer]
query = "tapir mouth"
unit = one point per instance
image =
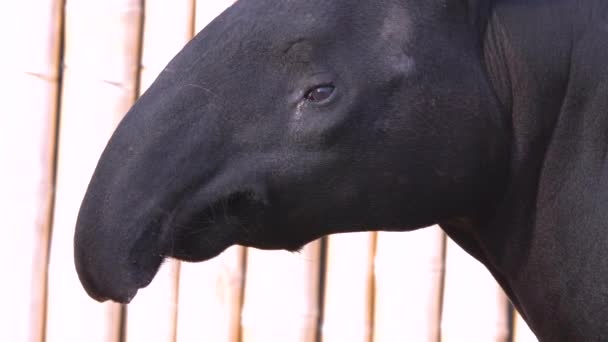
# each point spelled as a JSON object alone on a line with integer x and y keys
{"x": 111, "y": 269}
{"x": 201, "y": 234}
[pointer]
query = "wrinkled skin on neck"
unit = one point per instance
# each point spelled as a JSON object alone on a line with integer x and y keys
{"x": 428, "y": 122}
{"x": 545, "y": 243}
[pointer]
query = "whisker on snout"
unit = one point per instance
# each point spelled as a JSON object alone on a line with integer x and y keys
{"x": 193, "y": 232}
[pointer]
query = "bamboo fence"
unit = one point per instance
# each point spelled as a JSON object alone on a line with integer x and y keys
{"x": 408, "y": 292}
{"x": 348, "y": 284}
{"x": 29, "y": 72}
{"x": 168, "y": 25}
{"x": 72, "y": 71}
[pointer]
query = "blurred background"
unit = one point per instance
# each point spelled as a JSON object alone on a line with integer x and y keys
{"x": 69, "y": 70}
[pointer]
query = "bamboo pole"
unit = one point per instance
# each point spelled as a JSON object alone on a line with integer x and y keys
{"x": 100, "y": 77}
{"x": 521, "y": 330}
{"x": 281, "y": 295}
{"x": 408, "y": 275}
{"x": 167, "y": 28}
{"x": 210, "y": 297}
{"x": 207, "y": 10}
{"x": 348, "y": 288}
{"x": 30, "y": 36}
{"x": 152, "y": 313}
{"x": 169, "y": 25}
{"x": 474, "y": 306}
{"x": 210, "y": 293}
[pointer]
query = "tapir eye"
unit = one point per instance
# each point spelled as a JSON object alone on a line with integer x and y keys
{"x": 320, "y": 93}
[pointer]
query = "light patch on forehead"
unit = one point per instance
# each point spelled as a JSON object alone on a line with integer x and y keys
{"x": 397, "y": 22}
{"x": 396, "y": 32}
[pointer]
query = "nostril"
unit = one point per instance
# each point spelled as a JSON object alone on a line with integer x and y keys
{"x": 120, "y": 294}
{"x": 98, "y": 298}
{"x": 128, "y": 297}
{"x": 124, "y": 298}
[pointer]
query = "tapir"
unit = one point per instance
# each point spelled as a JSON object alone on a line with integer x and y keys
{"x": 284, "y": 121}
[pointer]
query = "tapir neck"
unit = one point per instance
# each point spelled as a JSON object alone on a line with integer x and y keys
{"x": 546, "y": 242}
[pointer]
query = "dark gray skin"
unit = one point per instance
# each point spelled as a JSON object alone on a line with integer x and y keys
{"x": 284, "y": 121}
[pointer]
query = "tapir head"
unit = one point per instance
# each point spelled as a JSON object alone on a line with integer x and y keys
{"x": 284, "y": 121}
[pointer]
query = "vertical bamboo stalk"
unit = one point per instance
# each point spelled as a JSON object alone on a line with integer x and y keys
{"x": 474, "y": 306}
{"x": 210, "y": 293}
{"x": 210, "y": 298}
{"x": 281, "y": 295}
{"x": 408, "y": 274}
{"x": 99, "y": 86}
{"x": 30, "y": 36}
{"x": 167, "y": 28}
{"x": 348, "y": 288}
{"x": 152, "y": 313}
{"x": 207, "y": 10}
{"x": 521, "y": 331}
